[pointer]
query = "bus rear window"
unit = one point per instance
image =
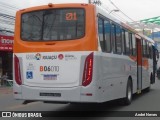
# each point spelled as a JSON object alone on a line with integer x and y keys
{"x": 53, "y": 25}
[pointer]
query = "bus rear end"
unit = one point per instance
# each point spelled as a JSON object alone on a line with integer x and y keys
{"x": 54, "y": 51}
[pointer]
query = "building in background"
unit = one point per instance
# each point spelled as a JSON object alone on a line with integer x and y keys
{"x": 149, "y": 27}
{"x": 6, "y": 50}
{"x": 156, "y": 37}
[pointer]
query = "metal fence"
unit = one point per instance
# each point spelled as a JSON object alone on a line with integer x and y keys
{"x": 5, "y": 82}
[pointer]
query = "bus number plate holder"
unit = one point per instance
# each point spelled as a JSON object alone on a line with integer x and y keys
{"x": 51, "y": 94}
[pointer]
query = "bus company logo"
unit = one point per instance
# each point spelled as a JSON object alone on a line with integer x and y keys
{"x": 49, "y": 68}
{"x": 33, "y": 57}
{"x": 60, "y": 56}
{"x": 30, "y": 57}
{"x": 52, "y": 57}
{"x": 38, "y": 56}
{"x": 70, "y": 57}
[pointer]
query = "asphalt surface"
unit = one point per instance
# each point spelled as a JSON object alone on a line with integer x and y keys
{"x": 147, "y": 101}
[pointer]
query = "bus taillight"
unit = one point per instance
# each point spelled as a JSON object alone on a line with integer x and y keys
{"x": 17, "y": 71}
{"x": 88, "y": 70}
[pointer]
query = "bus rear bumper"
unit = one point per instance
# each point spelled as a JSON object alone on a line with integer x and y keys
{"x": 61, "y": 95}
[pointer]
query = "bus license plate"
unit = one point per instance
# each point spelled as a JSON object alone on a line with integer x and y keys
{"x": 51, "y": 94}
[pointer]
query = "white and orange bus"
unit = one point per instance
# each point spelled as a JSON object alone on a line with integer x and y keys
{"x": 78, "y": 53}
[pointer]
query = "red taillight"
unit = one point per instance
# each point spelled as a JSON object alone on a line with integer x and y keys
{"x": 88, "y": 70}
{"x": 17, "y": 71}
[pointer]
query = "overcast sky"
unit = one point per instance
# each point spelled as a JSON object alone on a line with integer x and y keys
{"x": 139, "y": 9}
{"x": 135, "y": 9}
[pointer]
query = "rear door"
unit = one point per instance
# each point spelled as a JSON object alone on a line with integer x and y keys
{"x": 139, "y": 64}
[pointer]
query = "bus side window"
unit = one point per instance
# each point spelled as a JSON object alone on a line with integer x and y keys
{"x": 113, "y": 33}
{"x": 107, "y": 29}
{"x": 147, "y": 50}
{"x": 150, "y": 51}
{"x": 134, "y": 45}
{"x": 127, "y": 43}
{"x": 101, "y": 33}
{"x": 118, "y": 40}
{"x": 130, "y": 44}
{"x": 123, "y": 42}
{"x": 144, "y": 48}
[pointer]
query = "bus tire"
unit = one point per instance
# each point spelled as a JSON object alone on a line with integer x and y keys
{"x": 129, "y": 92}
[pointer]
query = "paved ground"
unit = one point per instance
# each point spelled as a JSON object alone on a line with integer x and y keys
{"x": 145, "y": 102}
{"x": 5, "y": 90}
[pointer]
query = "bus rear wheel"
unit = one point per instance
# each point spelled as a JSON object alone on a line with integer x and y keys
{"x": 128, "y": 99}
